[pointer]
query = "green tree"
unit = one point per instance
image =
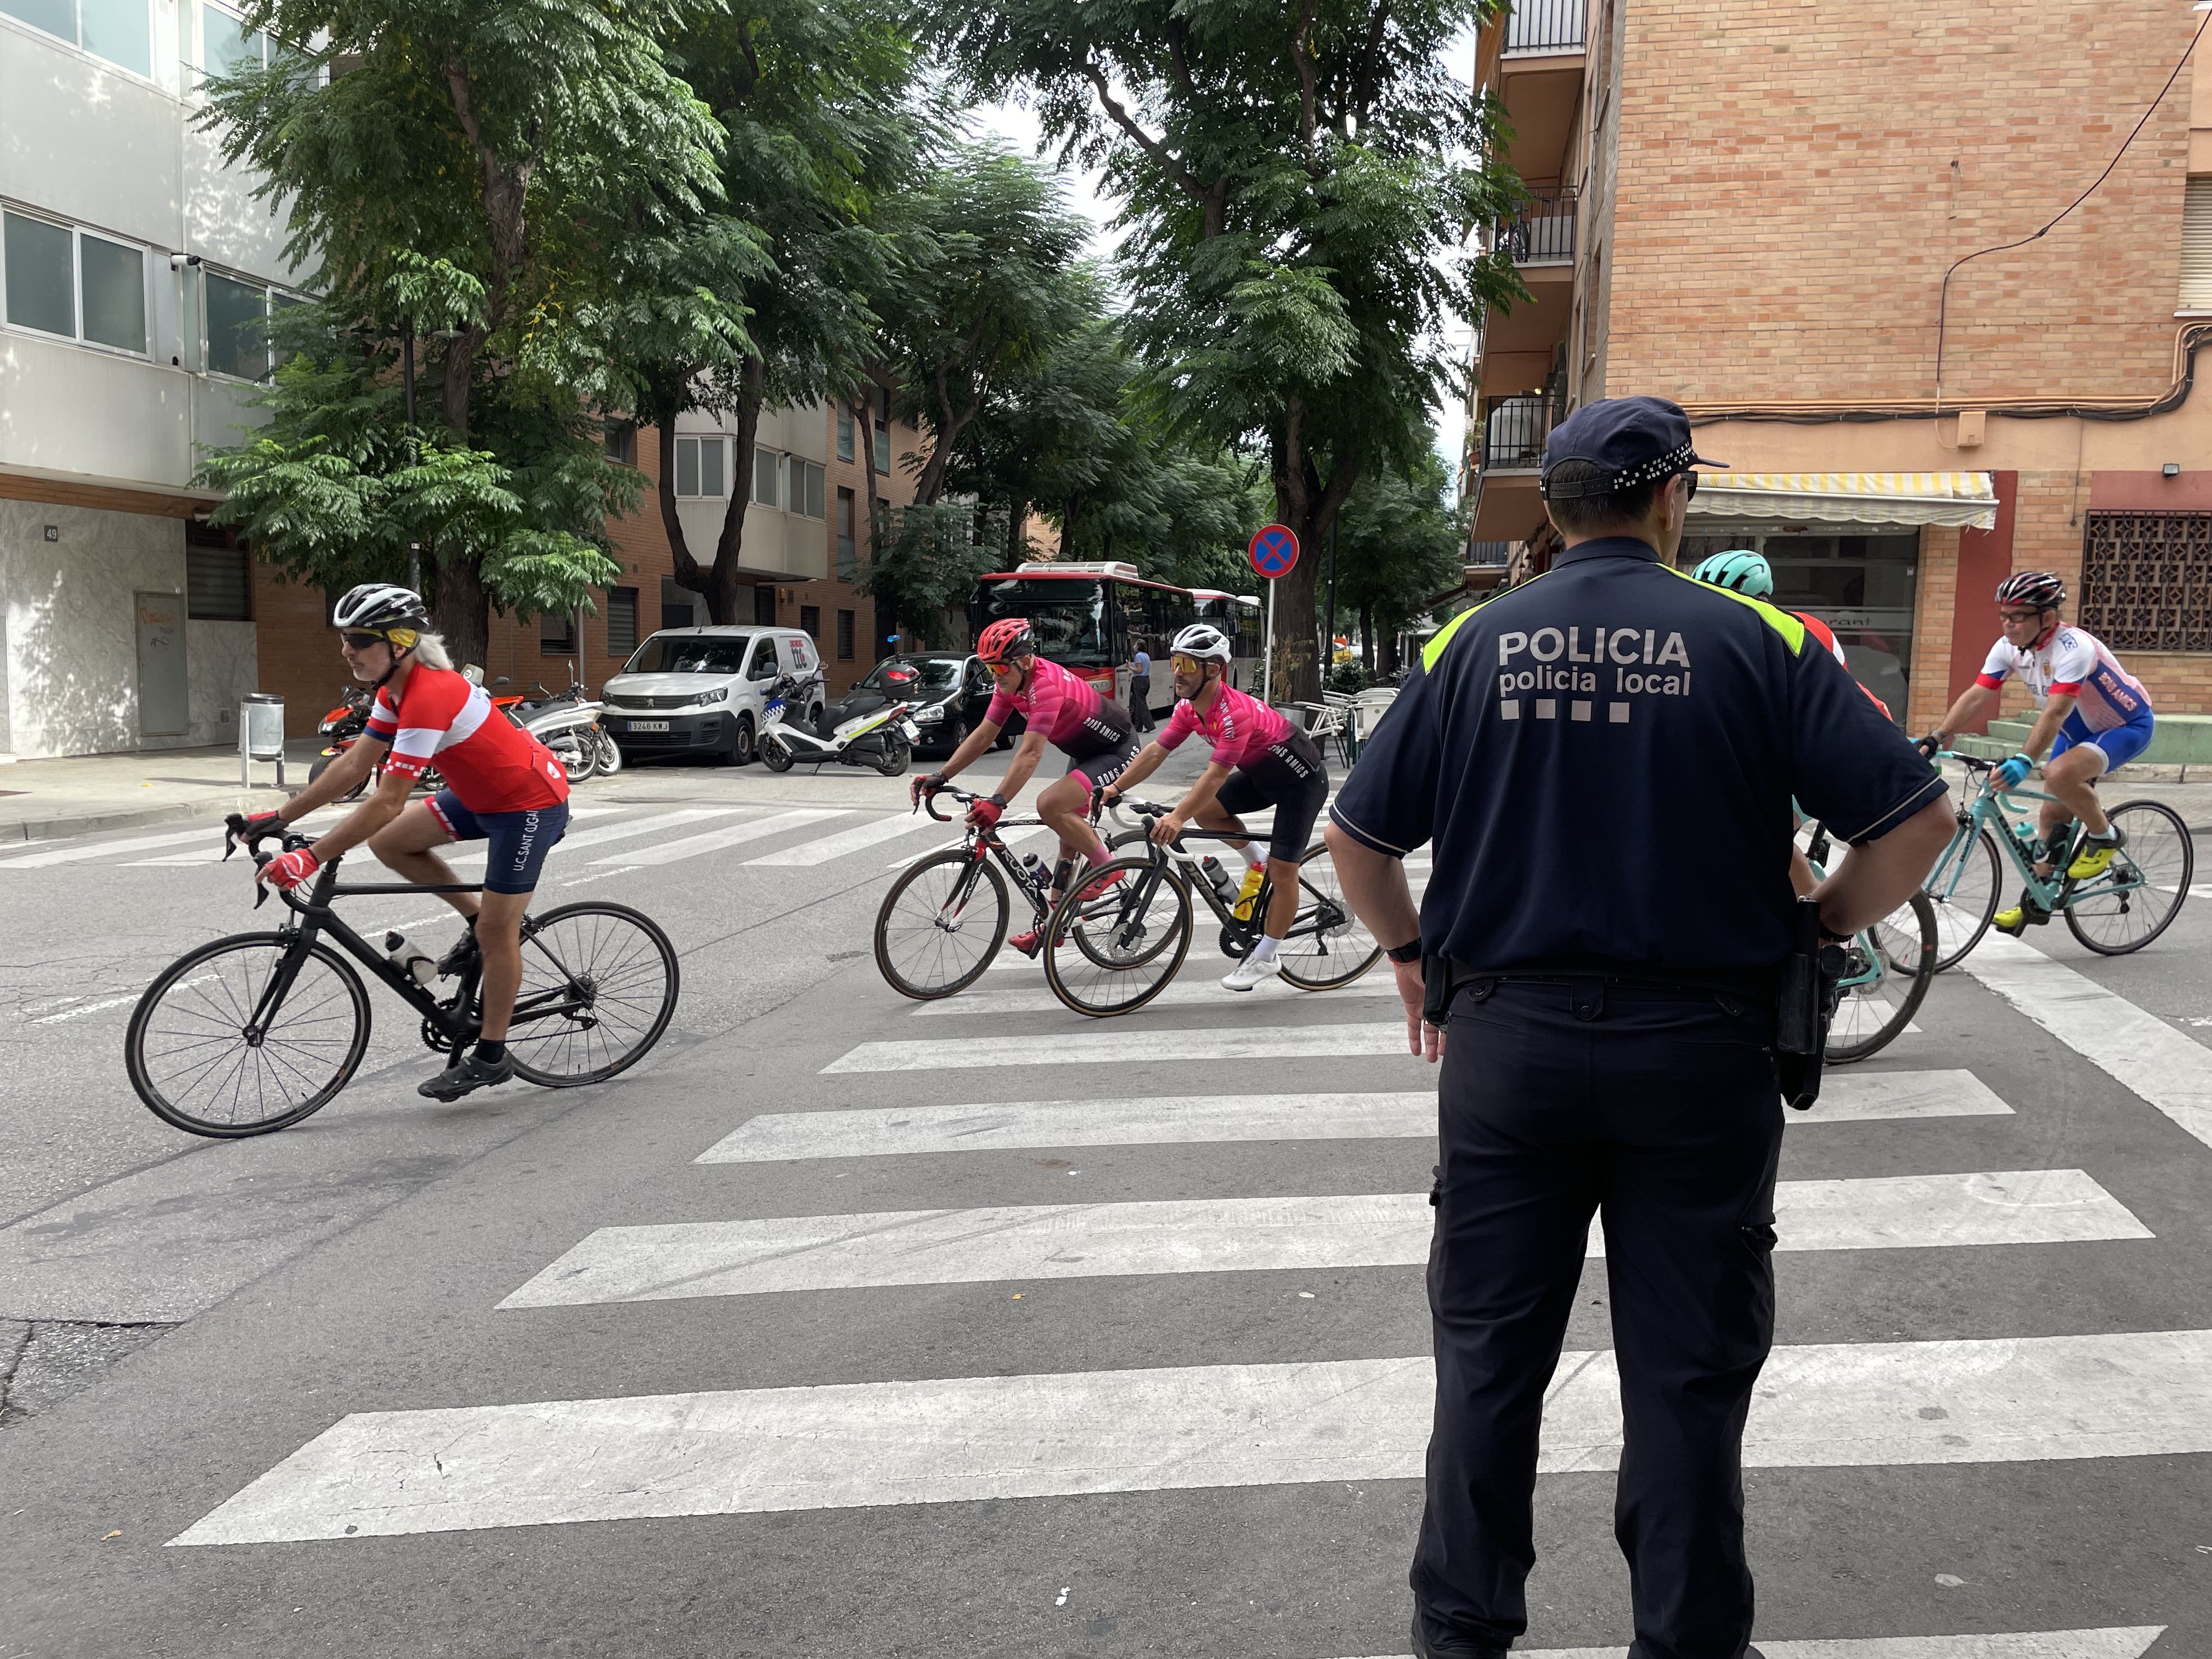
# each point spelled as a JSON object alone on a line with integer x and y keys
{"x": 1300, "y": 180}
{"x": 818, "y": 99}
{"x": 1400, "y": 544}
{"x": 500, "y": 180}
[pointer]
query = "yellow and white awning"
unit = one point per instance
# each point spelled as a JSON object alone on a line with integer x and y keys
{"x": 1966, "y": 499}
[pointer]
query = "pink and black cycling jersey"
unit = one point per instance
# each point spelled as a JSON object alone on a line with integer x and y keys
{"x": 1055, "y": 702}
{"x": 2074, "y": 664}
{"x": 1242, "y": 729}
{"x": 491, "y": 764}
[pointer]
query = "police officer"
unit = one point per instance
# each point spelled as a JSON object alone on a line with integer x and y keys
{"x": 1604, "y": 758}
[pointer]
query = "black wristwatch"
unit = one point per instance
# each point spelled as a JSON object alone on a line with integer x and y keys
{"x": 998, "y": 800}
{"x": 1410, "y": 951}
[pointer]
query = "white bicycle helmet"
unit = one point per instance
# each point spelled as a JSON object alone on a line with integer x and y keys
{"x": 1204, "y": 641}
{"x": 374, "y": 606}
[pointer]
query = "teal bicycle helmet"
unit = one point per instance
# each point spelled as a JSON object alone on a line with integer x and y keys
{"x": 1741, "y": 571}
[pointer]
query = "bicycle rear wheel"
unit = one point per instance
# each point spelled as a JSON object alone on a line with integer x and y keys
{"x": 197, "y": 1060}
{"x": 1129, "y": 941}
{"x": 1328, "y": 946}
{"x": 940, "y": 925}
{"x": 1891, "y": 965}
{"x": 599, "y": 983}
{"x": 1964, "y": 888}
{"x": 2134, "y": 901}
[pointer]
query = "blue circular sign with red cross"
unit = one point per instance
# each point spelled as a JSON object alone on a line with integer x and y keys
{"x": 1275, "y": 551}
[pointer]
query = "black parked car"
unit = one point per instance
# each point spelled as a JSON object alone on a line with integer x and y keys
{"x": 953, "y": 687}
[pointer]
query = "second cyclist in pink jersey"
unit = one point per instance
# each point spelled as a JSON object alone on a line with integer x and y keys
{"x": 1063, "y": 709}
{"x": 1260, "y": 759}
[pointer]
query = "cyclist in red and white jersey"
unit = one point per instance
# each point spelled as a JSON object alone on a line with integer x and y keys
{"x": 1259, "y": 759}
{"x": 502, "y": 786}
{"x": 1060, "y": 709}
{"x": 2095, "y": 715}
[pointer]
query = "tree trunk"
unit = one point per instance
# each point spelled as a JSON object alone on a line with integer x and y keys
{"x": 462, "y": 611}
{"x": 727, "y": 582}
{"x": 864, "y": 550}
{"x": 689, "y": 572}
{"x": 1017, "y": 513}
{"x": 1309, "y": 507}
{"x": 1367, "y": 635}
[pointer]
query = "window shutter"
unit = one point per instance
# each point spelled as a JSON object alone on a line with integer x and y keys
{"x": 2197, "y": 246}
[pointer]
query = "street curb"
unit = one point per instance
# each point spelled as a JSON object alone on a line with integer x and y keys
{"x": 86, "y": 824}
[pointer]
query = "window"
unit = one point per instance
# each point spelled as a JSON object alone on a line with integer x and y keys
{"x": 844, "y": 434}
{"x": 557, "y": 634}
{"x": 764, "y": 606}
{"x": 2197, "y": 246}
{"x": 701, "y": 468}
{"x": 808, "y": 484}
{"x": 847, "y": 560}
{"x": 883, "y": 448}
{"x": 844, "y": 636}
{"x": 622, "y": 621}
{"x": 2147, "y": 580}
{"x": 238, "y": 311}
{"x": 225, "y": 45}
{"x": 218, "y": 577}
{"x": 768, "y": 478}
{"x": 810, "y": 618}
{"x": 622, "y": 442}
{"x": 764, "y": 664}
{"x": 73, "y": 283}
{"x": 120, "y": 31}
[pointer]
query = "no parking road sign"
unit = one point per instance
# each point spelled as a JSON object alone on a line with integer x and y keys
{"x": 1275, "y": 551}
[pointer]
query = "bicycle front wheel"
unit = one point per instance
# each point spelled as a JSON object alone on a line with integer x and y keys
{"x": 599, "y": 983}
{"x": 2133, "y": 902}
{"x": 940, "y": 925}
{"x": 1964, "y": 888}
{"x": 1328, "y": 946}
{"x": 1890, "y": 967}
{"x": 1129, "y": 941}
{"x": 212, "y": 1050}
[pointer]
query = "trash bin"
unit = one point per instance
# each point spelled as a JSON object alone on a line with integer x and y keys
{"x": 261, "y": 735}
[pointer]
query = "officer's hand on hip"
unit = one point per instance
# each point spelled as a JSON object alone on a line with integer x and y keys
{"x": 1422, "y": 1039}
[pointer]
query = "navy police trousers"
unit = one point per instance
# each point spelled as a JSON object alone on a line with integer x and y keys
{"x": 1659, "y": 1109}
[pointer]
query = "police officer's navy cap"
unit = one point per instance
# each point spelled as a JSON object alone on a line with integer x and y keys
{"x": 1636, "y": 440}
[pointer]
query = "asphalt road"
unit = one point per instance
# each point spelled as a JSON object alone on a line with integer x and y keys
{"x": 834, "y": 1327}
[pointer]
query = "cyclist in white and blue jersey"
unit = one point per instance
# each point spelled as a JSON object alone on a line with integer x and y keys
{"x": 2095, "y": 716}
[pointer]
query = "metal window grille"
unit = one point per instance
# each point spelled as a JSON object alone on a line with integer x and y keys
{"x": 557, "y": 634}
{"x": 2147, "y": 580}
{"x": 844, "y": 636}
{"x": 1542, "y": 230}
{"x": 1544, "y": 26}
{"x": 218, "y": 583}
{"x": 622, "y": 621}
{"x": 2197, "y": 245}
{"x": 810, "y": 621}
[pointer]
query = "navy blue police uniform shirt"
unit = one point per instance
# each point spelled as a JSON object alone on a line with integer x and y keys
{"x": 1605, "y": 758}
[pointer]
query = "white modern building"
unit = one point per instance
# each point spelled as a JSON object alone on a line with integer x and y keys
{"x": 135, "y": 272}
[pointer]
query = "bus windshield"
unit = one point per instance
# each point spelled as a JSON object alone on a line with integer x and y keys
{"x": 1074, "y": 626}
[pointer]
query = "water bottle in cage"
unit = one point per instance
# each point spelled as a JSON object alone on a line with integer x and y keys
{"x": 1034, "y": 868}
{"x": 409, "y": 957}
{"x": 1218, "y": 878}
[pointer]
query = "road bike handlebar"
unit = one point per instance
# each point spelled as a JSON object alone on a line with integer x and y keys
{"x": 928, "y": 802}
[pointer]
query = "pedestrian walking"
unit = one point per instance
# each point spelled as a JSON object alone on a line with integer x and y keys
{"x": 1604, "y": 759}
{"x": 1140, "y": 687}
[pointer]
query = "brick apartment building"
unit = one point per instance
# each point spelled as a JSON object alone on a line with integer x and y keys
{"x": 1750, "y": 209}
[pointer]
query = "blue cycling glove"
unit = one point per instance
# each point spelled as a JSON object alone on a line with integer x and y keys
{"x": 2013, "y": 771}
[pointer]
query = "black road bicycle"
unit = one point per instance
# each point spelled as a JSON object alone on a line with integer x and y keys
{"x": 945, "y": 918}
{"x": 255, "y": 1031}
{"x": 1124, "y": 943}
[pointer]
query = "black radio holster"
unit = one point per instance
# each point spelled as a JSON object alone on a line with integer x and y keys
{"x": 1811, "y": 977}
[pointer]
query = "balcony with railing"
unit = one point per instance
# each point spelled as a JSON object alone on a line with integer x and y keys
{"x": 1542, "y": 28}
{"x": 1542, "y": 230}
{"x": 1513, "y": 434}
{"x": 1491, "y": 553}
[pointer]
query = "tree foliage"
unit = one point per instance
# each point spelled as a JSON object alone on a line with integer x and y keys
{"x": 1300, "y": 180}
{"x": 508, "y": 180}
{"x": 1400, "y": 544}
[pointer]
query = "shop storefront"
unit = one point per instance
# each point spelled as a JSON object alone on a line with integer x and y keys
{"x": 1845, "y": 547}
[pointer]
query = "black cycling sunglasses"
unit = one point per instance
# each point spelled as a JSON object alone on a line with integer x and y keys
{"x": 360, "y": 642}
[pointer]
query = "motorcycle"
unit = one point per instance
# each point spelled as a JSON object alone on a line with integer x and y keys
{"x": 566, "y": 722}
{"x": 338, "y": 729}
{"x": 884, "y": 737}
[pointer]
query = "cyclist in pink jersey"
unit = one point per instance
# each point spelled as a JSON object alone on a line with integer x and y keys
{"x": 1259, "y": 759}
{"x": 503, "y": 787}
{"x": 2095, "y": 715}
{"x": 1059, "y": 708}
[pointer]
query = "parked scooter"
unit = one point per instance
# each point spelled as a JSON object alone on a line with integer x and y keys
{"x": 884, "y": 737}
{"x": 338, "y": 729}
{"x": 566, "y": 722}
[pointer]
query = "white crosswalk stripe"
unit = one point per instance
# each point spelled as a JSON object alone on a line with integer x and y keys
{"x": 1113, "y": 1048}
{"x": 940, "y": 1441}
{"x": 858, "y": 839}
{"x": 1012, "y": 839}
{"x": 1251, "y": 1235}
{"x": 79, "y": 852}
{"x": 1202, "y": 992}
{"x": 1177, "y": 1120}
{"x": 713, "y": 841}
{"x": 313, "y": 821}
{"x": 2129, "y": 1641}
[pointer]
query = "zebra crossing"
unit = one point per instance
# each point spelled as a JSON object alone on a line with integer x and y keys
{"x": 2087, "y": 1399}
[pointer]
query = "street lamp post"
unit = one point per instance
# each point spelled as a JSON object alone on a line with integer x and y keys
{"x": 414, "y": 450}
{"x": 1329, "y": 633}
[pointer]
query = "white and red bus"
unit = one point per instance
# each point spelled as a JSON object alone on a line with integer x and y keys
{"x": 1089, "y": 616}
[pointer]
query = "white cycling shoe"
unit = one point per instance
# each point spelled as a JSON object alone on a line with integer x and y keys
{"x": 1250, "y": 972}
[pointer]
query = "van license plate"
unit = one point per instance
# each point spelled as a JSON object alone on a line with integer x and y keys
{"x": 648, "y": 726}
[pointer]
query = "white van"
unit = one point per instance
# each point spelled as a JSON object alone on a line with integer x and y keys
{"x": 699, "y": 691}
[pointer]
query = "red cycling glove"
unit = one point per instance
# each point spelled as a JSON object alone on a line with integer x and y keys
{"x": 984, "y": 814}
{"x": 288, "y": 869}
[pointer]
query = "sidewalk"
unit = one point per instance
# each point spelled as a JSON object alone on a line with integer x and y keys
{"x": 45, "y": 799}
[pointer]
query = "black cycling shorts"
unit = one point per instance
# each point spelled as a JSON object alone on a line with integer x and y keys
{"x": 1105, "y": 745}
{"x": 1291, "y": 778}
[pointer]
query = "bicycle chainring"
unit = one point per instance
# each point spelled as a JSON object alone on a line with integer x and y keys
{"x": 436, "y": 1038}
